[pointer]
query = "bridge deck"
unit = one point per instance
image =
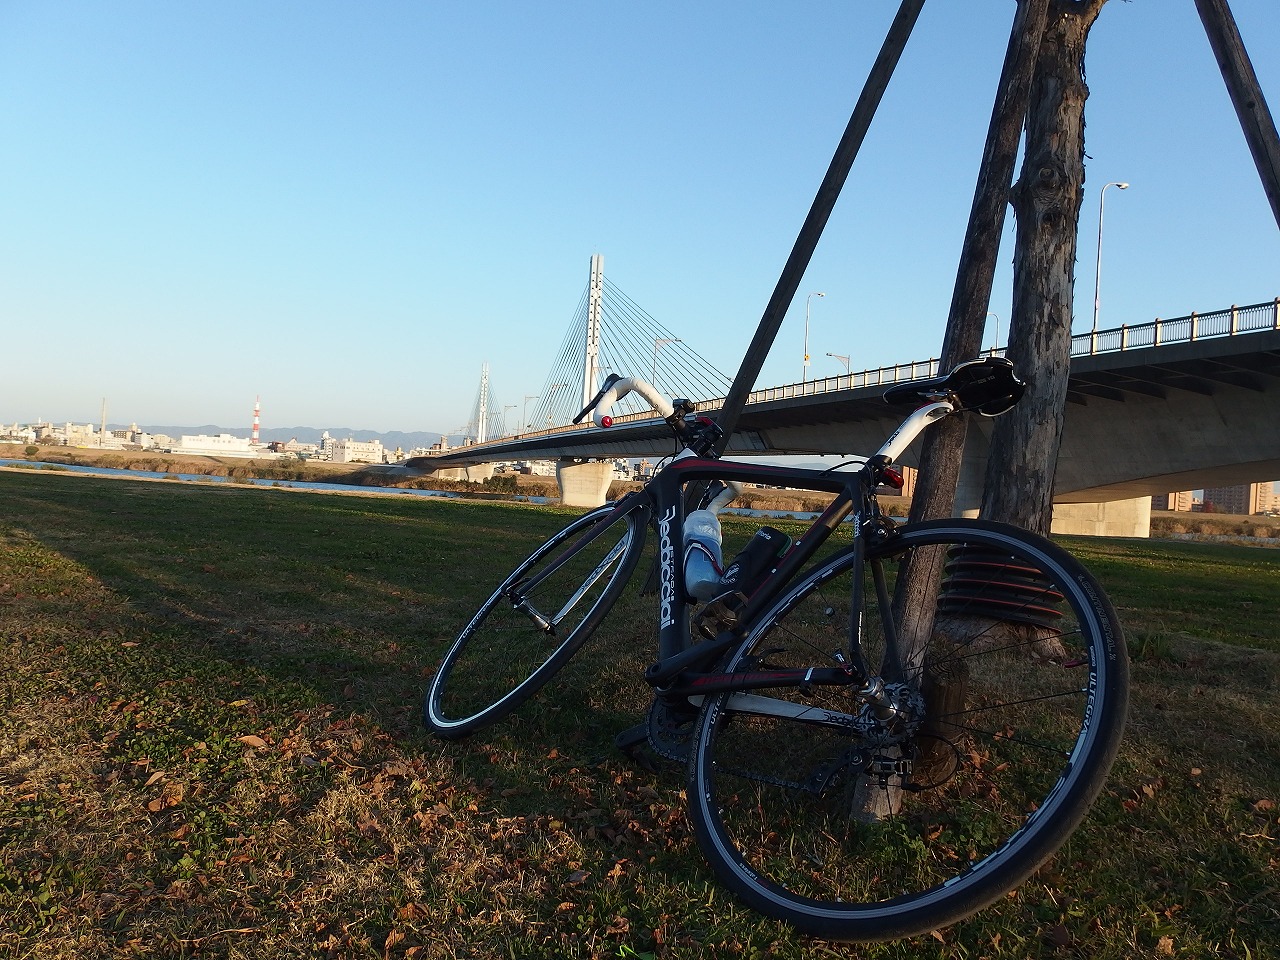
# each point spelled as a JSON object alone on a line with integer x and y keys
{"x": 1174, "y": 405}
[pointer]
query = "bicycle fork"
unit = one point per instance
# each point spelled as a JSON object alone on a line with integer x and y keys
{"x": 519, "y": 593}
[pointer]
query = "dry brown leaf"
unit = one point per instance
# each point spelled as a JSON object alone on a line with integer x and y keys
{"x": 252, "y": 741}
{"x": 1057, "y": 936}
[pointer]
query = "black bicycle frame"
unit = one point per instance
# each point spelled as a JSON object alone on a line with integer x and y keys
{"x": 674, "y": 672}
{"x": 677, "y": 669}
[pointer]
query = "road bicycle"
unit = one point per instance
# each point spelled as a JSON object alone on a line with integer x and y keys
{"x": 878, "y": 740}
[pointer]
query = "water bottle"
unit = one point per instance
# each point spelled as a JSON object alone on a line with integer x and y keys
{"x": 702, "y": 554}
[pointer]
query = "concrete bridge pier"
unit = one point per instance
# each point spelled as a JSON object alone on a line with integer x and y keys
{"x": 474, "y": 473}
{"x": 1114, "y": 518}
{"x": 584, "y": 483}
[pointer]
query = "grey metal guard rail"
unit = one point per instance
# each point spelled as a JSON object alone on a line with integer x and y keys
{"x": 1197, "y": 326}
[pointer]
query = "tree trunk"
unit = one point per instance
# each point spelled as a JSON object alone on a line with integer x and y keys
{"x": 1046, "y": 203}
{"x": 943, "y": 444}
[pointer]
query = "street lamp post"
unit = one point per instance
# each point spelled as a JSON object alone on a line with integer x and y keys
{"x": 1097, "y": 271}
{"x": 995, "y": 341}
{"x": 505, "y": 408}
{"x": 658, "y": 344}
{"x": 804, "y": 374}
{"x": 524, "y": 414}
{"x": 843, "y": 359}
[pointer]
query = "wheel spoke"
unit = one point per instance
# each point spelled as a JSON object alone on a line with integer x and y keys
{"x": 859, "y": 823}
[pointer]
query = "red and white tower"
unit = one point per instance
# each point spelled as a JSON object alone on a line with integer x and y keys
{"x": 256, "y": 408}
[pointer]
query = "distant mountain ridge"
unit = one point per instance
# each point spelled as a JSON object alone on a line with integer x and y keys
{"x": 405, "y": 440}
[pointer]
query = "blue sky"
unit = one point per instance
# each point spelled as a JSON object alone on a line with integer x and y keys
{"x": 348, "y": 208}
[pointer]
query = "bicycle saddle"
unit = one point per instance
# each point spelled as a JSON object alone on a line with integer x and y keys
{"x": 987, "y": 386}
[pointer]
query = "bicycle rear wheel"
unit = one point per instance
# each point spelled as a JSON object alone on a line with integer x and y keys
{"x": 851, "y": 825}
{"x": 522, "y": 635}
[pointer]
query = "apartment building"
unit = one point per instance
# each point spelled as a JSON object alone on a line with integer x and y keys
{"x": 1245, "y": 498}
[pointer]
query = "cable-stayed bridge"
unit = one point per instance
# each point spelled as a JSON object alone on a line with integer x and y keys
{"x": 1152, "y": 408}
{"x": 609, "y": 333}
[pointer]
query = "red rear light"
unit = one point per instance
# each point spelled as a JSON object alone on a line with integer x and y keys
{"x": 606, "y": 421}
{"x": 892, "y": 478}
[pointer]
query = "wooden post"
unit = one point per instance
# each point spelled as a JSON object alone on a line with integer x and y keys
{"x": 819, "y": 212}
{"x": 1246, "y": 94}
{"x": 944, "y": 443}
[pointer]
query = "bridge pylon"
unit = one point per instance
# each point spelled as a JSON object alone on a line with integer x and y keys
{"x": 595, "y": 296}
{"x": 486, "y": 416}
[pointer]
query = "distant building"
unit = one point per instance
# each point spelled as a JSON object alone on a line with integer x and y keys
{"x": 132, "y": 437}
{"x": 220, "y": 445}
{"x": 1245, "y": 498}
{"x": 17, "y": 434}
{"x": 1180, "y": 502}
{"x": 74, "y": 435}
{"x": 538, "y": 468}
{"x": 353, "y": 451}
{"x": 293, "y": 448}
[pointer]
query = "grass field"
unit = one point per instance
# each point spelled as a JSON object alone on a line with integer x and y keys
{"x": 210, "y": 746}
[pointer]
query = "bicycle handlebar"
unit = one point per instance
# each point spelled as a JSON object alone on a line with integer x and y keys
{"x": 613, "y": 390}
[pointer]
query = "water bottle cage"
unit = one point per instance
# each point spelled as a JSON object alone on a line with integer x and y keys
{"x": 694, "y": 546}
{"x": 720, "y": 614}
{"x": 755, "y": 562}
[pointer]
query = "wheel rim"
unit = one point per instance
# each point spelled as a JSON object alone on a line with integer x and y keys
{"x": 502, "y": 656}
{"x": 1000, "y": 772}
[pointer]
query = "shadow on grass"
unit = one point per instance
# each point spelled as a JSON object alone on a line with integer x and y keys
{"x": 210, "y": 745}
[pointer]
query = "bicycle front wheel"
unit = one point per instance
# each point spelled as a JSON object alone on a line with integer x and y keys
{"x": 534, "y": 622}
{"x": 860, "y": 821}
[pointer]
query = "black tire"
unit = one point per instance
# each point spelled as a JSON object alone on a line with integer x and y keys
{"x": 1008, "y": 729}
{"x": 502, "y": 657}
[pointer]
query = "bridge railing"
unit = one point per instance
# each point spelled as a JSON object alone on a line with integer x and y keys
{"x": 1198, "y": 326}
{"x": 880, "y": 376}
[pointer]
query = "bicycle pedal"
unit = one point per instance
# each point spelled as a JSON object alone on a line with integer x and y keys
{"x": 881, "y": 766}
{"x": 632, "y": 737}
